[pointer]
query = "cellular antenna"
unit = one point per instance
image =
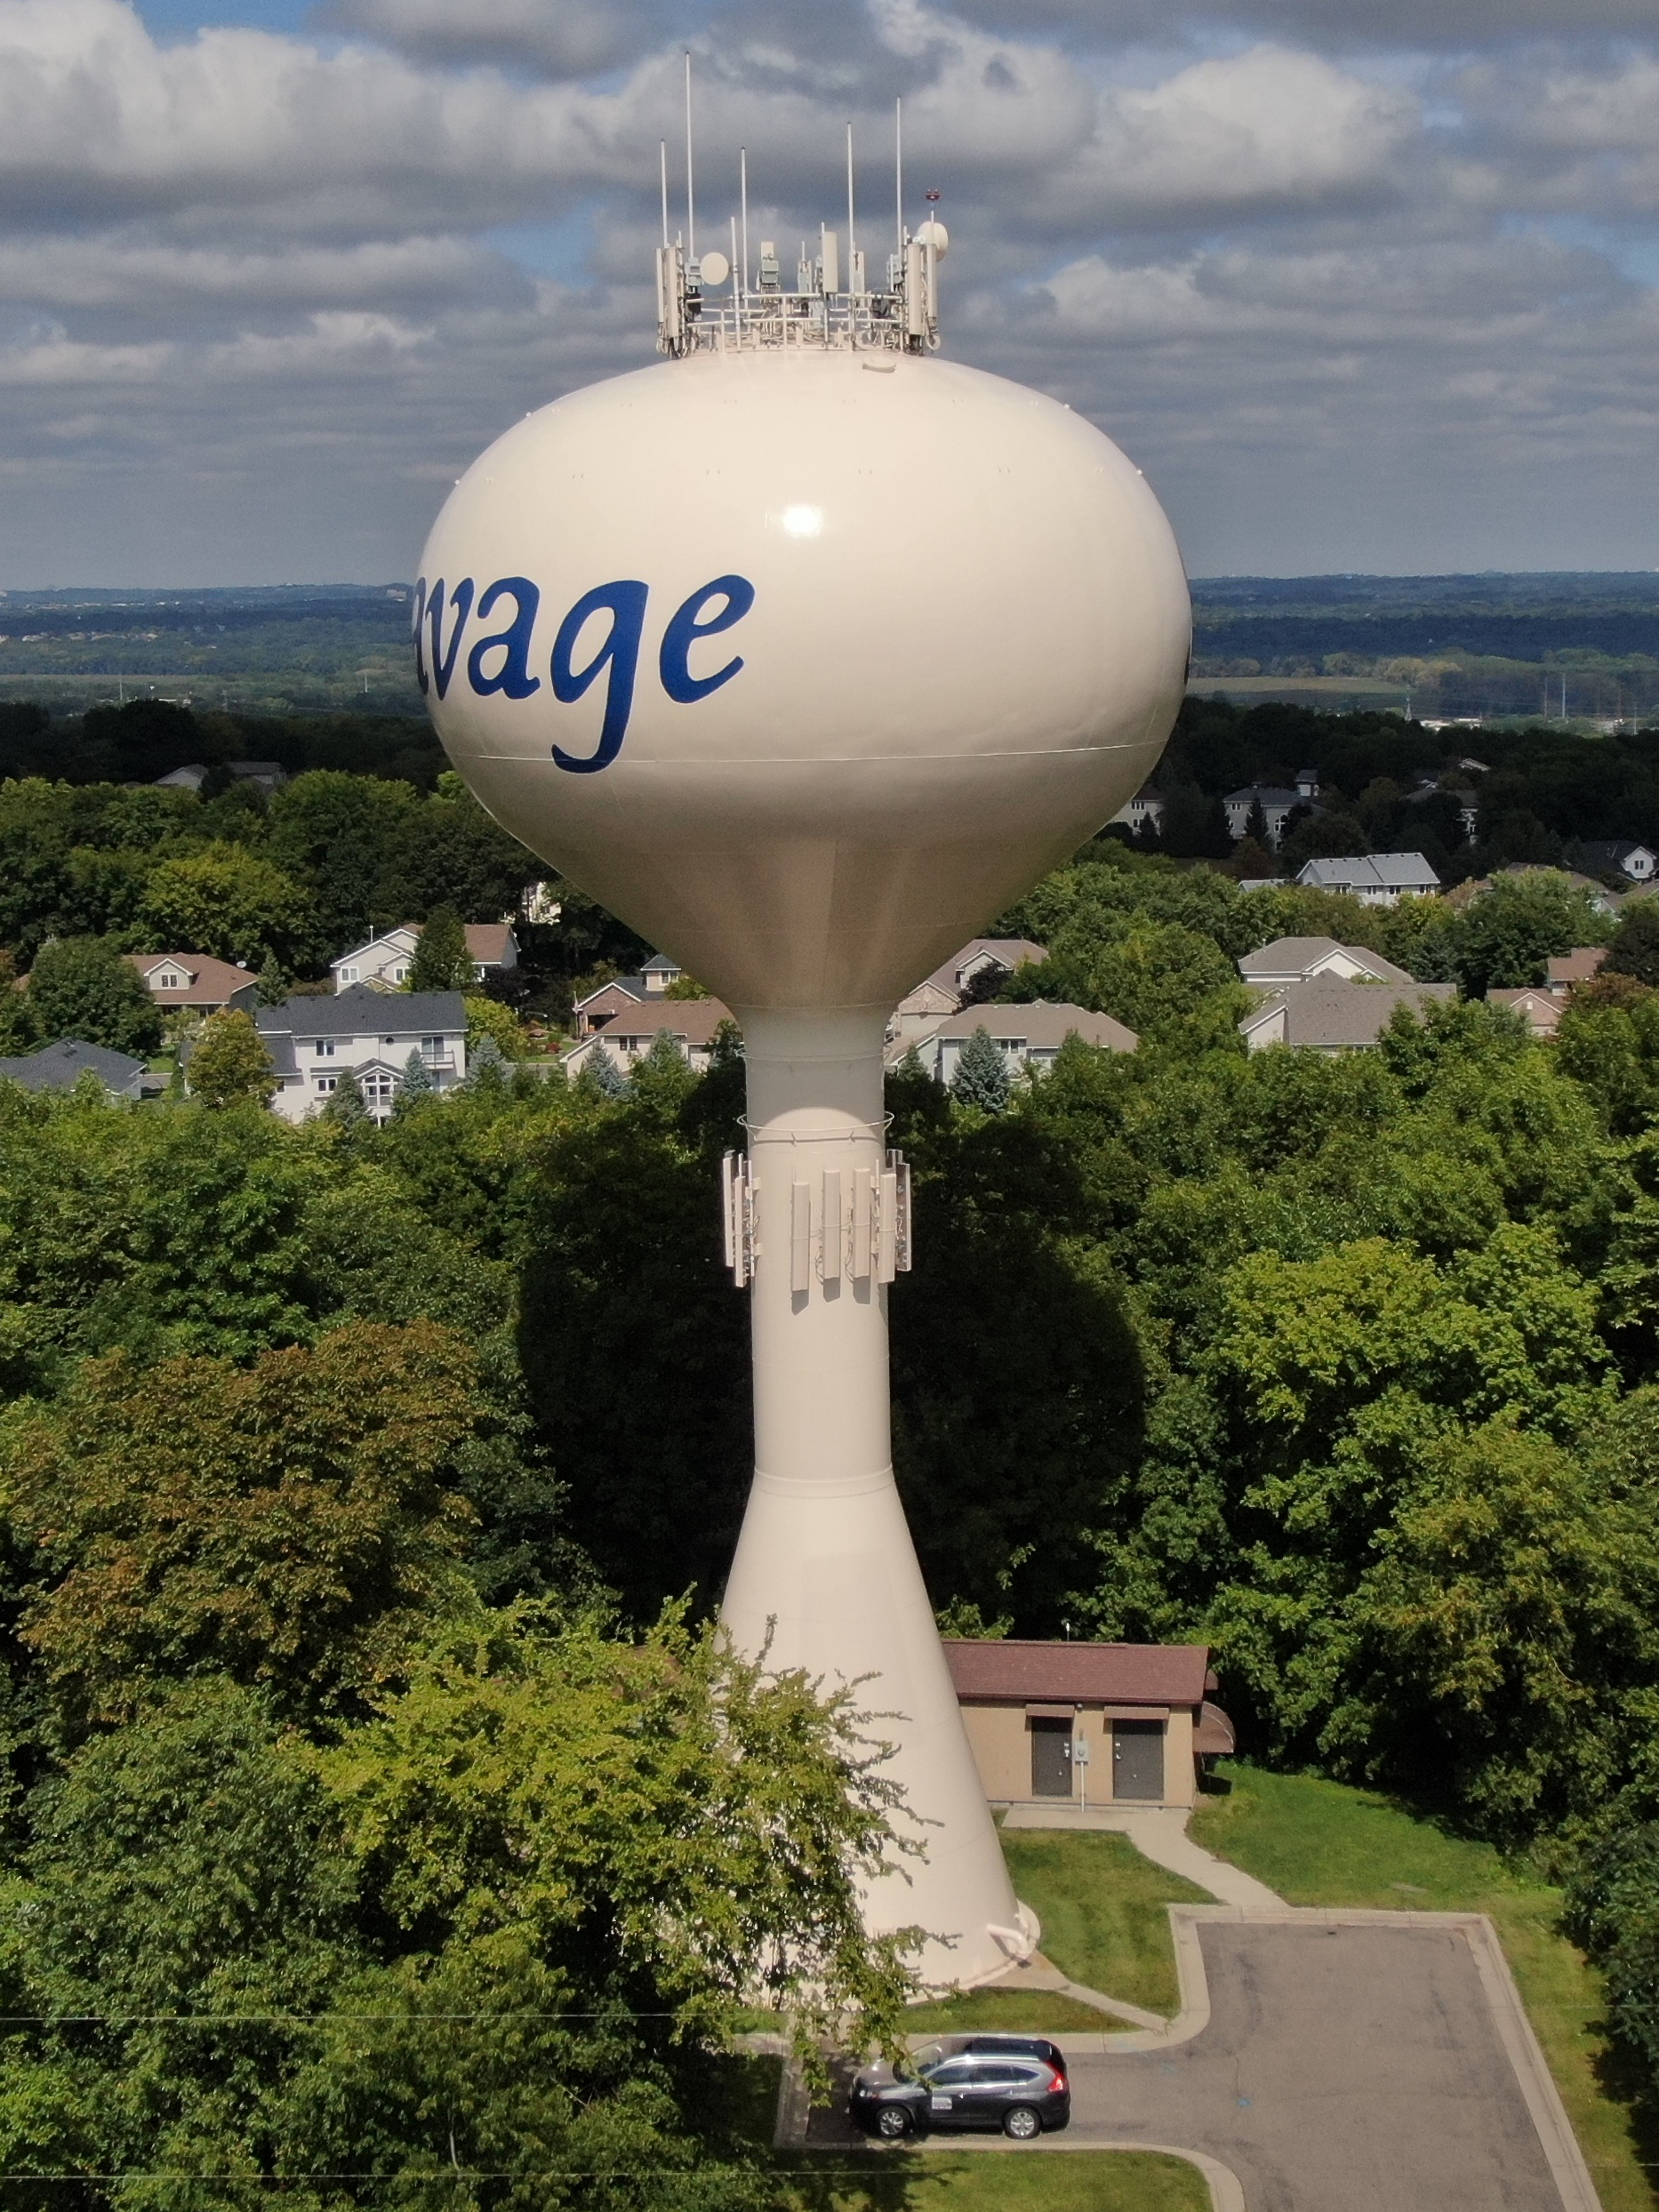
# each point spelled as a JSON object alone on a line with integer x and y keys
{"x": 898, "y": 168}
{"x": 742, "y": 194}
{"x": 665, "y": 191}
{"x": 691, "y": 206}
{"x": 852, "y": 234}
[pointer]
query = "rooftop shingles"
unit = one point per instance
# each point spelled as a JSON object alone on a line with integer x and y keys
{"x": 1100, "y": 1674}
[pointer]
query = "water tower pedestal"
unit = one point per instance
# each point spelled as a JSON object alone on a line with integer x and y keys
{"x": 825, "y": 1565}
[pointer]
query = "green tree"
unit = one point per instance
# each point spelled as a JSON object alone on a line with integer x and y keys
{"x": 279, "y": 1523}
{"x": 19, "y": 1030}
{"x": 1507, "y": 933}
{"x": 346, "y": 1105}
{"x": 417, "y": 1082}
{"x": 226, "y": 901}
{"x": 81, "y": 987}
{"x": 600, "y": 1076}
{"x": 487, "y": 1017}
{"x": 448, "y": 852}
{"x": 981, "y": 1077}
{"x": 1635, "y": 946}
{"x": 229, "y": 1064}
{"x": 441, "y": 960}
{"x": 335, "y": 834}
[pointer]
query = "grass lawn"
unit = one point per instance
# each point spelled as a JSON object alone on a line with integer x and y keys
{"x": 1318, "y": 1843}
{"x": 1035, "y": 2012}
{"x": 1103, "y": 1909}
{"x": 994, "y": 2181}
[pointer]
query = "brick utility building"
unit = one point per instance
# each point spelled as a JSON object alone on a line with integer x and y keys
{"x": 1095, "y": 1723}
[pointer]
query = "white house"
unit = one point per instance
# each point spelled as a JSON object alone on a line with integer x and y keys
{"x": 384, "y": 962}
{"x": 313, "y": 1041}
{"x": 1638, "y": 861}
{"x": 1029, "y": 1038}
{"x": 1297, "y": 960}
{"x": 1373, "y": 879}
{"x": 1275, "y": 801}
{"x": 1146, "y": 805}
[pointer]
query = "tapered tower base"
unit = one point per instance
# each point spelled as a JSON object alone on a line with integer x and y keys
{"x": 825, "y": 1565}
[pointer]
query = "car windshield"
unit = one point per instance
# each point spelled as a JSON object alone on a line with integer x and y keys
{"x": 921, "y": 2063}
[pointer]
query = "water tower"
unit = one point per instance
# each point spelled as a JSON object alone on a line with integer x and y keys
{"x": 806, "y": 652}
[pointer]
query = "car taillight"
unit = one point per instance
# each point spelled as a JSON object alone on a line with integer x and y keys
{"x": 1057, "y": 2087}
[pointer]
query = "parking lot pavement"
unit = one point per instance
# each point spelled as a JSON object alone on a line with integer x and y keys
{"x": 1354, "y": 2064}
{"x": 1343, "y": 2069}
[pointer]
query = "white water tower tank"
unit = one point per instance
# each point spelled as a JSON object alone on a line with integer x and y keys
{"x": 806, "y": 652}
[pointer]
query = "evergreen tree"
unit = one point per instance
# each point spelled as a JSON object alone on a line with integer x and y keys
{"x": 230, "y": 1065}
{"x": 981, "y": 1074}
{"x": 1635, "y": 947}
{"x": 600, "y": 1077}
{"x": 1255, "y": 824}
{"x": 417, "y": 1082}
{"x": 273, "y": 986}
{"x": 486, "y": 1066}
{"x": 346, "y": 1105}
{"x": 441, "y": 961}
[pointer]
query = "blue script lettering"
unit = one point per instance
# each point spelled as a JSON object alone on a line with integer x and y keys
{"x": 513, "y": 676}
{"x": 625, "y": 602}
{"x": 461, "y": 604}
{"x": 685, "y": 629}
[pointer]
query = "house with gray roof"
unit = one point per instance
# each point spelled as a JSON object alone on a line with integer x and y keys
{"x": 1326, "y": 1015}
{"x": 312, "y": 1041}
{"x": 59, "y": 1067}
{"x": 1373, "y": 879}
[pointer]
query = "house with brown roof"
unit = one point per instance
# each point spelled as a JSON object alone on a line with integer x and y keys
{"x": 1090, "y": 1724}
{"x": 982, "y": 962}
{"x": 1299, "y": 959}
{"x": 193, "y": 980}
{"x": 1029, "y": 1037}
{"x": 628, "y": 1032}
{"x": 1539, "y": 1009}
{"x": 1582, "y": 964}
{"x": 1328, "y": 1016}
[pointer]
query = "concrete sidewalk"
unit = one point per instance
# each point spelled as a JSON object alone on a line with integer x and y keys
{"x": 1159, "y": 1833}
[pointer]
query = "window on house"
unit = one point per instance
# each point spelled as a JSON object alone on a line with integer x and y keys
{"x": 327, "y": 1082}
{"x": 324, "y": 1048}
{"x": 378, "y": 1089}
{"x": 349, "y": 974}
{"x": 435, "y": 1048}
{"x": 399, "y": 974}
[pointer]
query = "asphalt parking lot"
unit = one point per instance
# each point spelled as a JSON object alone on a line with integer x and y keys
{"x": 1342, "y": 2068}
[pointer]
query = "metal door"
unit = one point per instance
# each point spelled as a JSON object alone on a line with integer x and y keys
{"x": 1137, "y": 1760}
{"x": 1051, "y": 1758}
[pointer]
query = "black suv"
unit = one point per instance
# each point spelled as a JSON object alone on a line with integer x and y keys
{"x": 1014, "y": 2082}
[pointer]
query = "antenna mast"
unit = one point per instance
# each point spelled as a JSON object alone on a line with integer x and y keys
{"x": 742, "y": 185}
{"x": 665, "y": 190}
{"x": 898, "y": 168}
{"x": 691, "y": 205}
{"x": 852, "y": 234}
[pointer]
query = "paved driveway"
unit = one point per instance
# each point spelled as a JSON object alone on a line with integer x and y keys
{"x": 1358, "y": 2062}
{"x": 1343, "y": 2069}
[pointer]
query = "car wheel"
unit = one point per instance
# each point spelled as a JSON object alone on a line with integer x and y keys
{"x": 1022, "y": 2123}
{"x": 893, "y": 2121}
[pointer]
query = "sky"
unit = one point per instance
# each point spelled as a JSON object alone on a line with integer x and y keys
{"x": 1361, "y": 285}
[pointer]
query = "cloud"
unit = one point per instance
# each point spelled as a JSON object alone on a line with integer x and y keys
{"x": 1354, "y": 285}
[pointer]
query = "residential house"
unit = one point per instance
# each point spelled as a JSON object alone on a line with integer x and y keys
{"x": 1468, "y": 801}
{"x": 1605, "y": 902}
{"x": 1538, "y": 1008}
{"x": 1373, "y": 879}
{"x": 1582, "y": 964}
{"x": 312, "y": 1041}
{"x": 1329, "y": 1015}
{"x": 627, "y": 993}
{"x": 195, "y": 981}
{"x": 1298, "y": 960}
{"x": 384, "y": 962}
{"x": 1146, "y": 805}
{"x": 1619, "y": 856}
{"x": 265, "y": 775}
{"x": 981, "y": 962}
{"x": 1276, "y": 803}
{"x": 59, "y": 1067}
{"x": 1029, "y": 1037}
{"x": 1088, "y": 1723}
{"x": 628, "y": 1032}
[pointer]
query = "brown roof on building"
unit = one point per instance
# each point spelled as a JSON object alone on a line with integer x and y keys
{"x": 212, "y": 981}
{"x": 1009, "y": 953}
{"x": 988, "y": 1672}
{"x": 1042, "y": 1025}
{"x": 1330, "y": 1013}
{"x": 1577, "y": 966}
{"x": 694, "y": 1021}
{"x": 487, "y": 940}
